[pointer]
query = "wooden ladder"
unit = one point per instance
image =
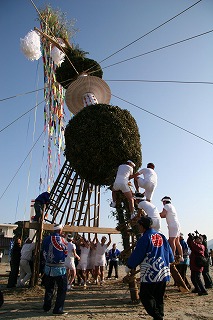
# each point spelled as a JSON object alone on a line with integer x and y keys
{"x": 73, "y": 201}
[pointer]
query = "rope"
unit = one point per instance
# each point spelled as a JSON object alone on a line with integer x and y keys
{"x": 154, "y": 50}
{"x": 148, "y": 32}
{"x": 21, "y": 94}
{"x": 172, "y": 123}
{"x": 20, "y": 166}
{"x": 162, "y": 81}
{"x": 21, "y": 116}
{"x": 124, "y": 80}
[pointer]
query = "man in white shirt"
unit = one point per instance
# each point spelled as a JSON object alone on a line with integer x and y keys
{"x": 100, "y": 258}
{"x": 70, "y": 261}
{"x": 83, "y": 262}
{"x": 169, "y": 212}
{"x": 149, "y": 182}
{"x": 124, "y": 174}
{"x": 150, "y": 209}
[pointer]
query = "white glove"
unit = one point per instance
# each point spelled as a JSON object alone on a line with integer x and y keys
{"x": 127, "y": 270}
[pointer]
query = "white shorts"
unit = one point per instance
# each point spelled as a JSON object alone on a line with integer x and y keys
{"x": 124, "y": 187}
{"x": 70, "y": 263}
{"x": 82, "y": 264}
{"x": 174, "y": 231}
{"x": 91, "y": 264}
{"x": 148, "y": 186}
{"x": 100, "y": 261}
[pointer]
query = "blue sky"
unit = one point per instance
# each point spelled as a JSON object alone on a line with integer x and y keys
{"x": 183, "y": 161}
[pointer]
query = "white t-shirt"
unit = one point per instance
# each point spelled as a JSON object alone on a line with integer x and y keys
{"x": 100, "y": 257}
{"x": 171, "y": 215}
{"x": 70, "y": 259}
{"x": 26, "y": 251}
{"x": 149, "y": 175}
{"x": 84, "y": 253}
{"x": 150, "y": 209}
{"x": 123, "y": 173}
{"x": 152, "y": 212}
{"x": 100, "y": 249}
{"x": 70, "y": 247}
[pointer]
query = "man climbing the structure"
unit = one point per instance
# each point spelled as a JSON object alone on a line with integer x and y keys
{"x": 149, "y": 182}
{"x": 124, "y": 174}
{"x": 40, "y": 205}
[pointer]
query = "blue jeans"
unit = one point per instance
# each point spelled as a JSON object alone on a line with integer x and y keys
{"x": 50, "y": 282}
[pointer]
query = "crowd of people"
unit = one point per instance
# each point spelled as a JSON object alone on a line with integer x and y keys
{"x": 66, "y": 257}
{"x": 68, "y": 261}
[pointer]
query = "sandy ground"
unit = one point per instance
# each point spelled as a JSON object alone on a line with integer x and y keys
{"x": 110, "y": 301}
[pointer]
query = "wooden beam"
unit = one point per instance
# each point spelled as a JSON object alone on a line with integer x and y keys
{"x": 78, "y": 229}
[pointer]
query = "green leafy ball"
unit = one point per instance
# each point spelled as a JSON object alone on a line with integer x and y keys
{"x": 65, "y": 74}
{"x": 98, "y": 139}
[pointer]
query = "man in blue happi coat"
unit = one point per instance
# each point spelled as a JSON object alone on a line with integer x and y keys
{"x": 55, "y": 251}
{"x": 153, "y": 253}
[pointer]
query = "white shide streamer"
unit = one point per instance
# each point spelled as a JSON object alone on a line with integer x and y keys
{"x": 31, "y": 45}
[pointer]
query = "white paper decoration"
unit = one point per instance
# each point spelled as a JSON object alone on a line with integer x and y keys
{"x": 57, "y": 55}
{"x": 31, "y": 46}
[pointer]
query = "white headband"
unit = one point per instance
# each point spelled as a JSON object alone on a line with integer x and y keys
{"x": 58, "y": 227}
{"x": 132, "y": 163}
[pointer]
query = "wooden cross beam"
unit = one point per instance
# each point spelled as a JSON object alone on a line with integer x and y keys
{"x": 70, "y": 229}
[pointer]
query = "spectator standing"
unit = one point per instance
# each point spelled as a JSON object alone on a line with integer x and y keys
{"x": 14, "y": 263}
{"x": 55, "y": 252}
{"x": 183, "y": 265}
{"x": 153, "y": 253}
{"x": 113, "y": 261}
{"x": 205, "y": 273}
{"x": 197, "y": 250}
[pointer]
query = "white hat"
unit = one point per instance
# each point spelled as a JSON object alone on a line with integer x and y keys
{"x": 132, "y": 163}
{"x": 58, "y": 227}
